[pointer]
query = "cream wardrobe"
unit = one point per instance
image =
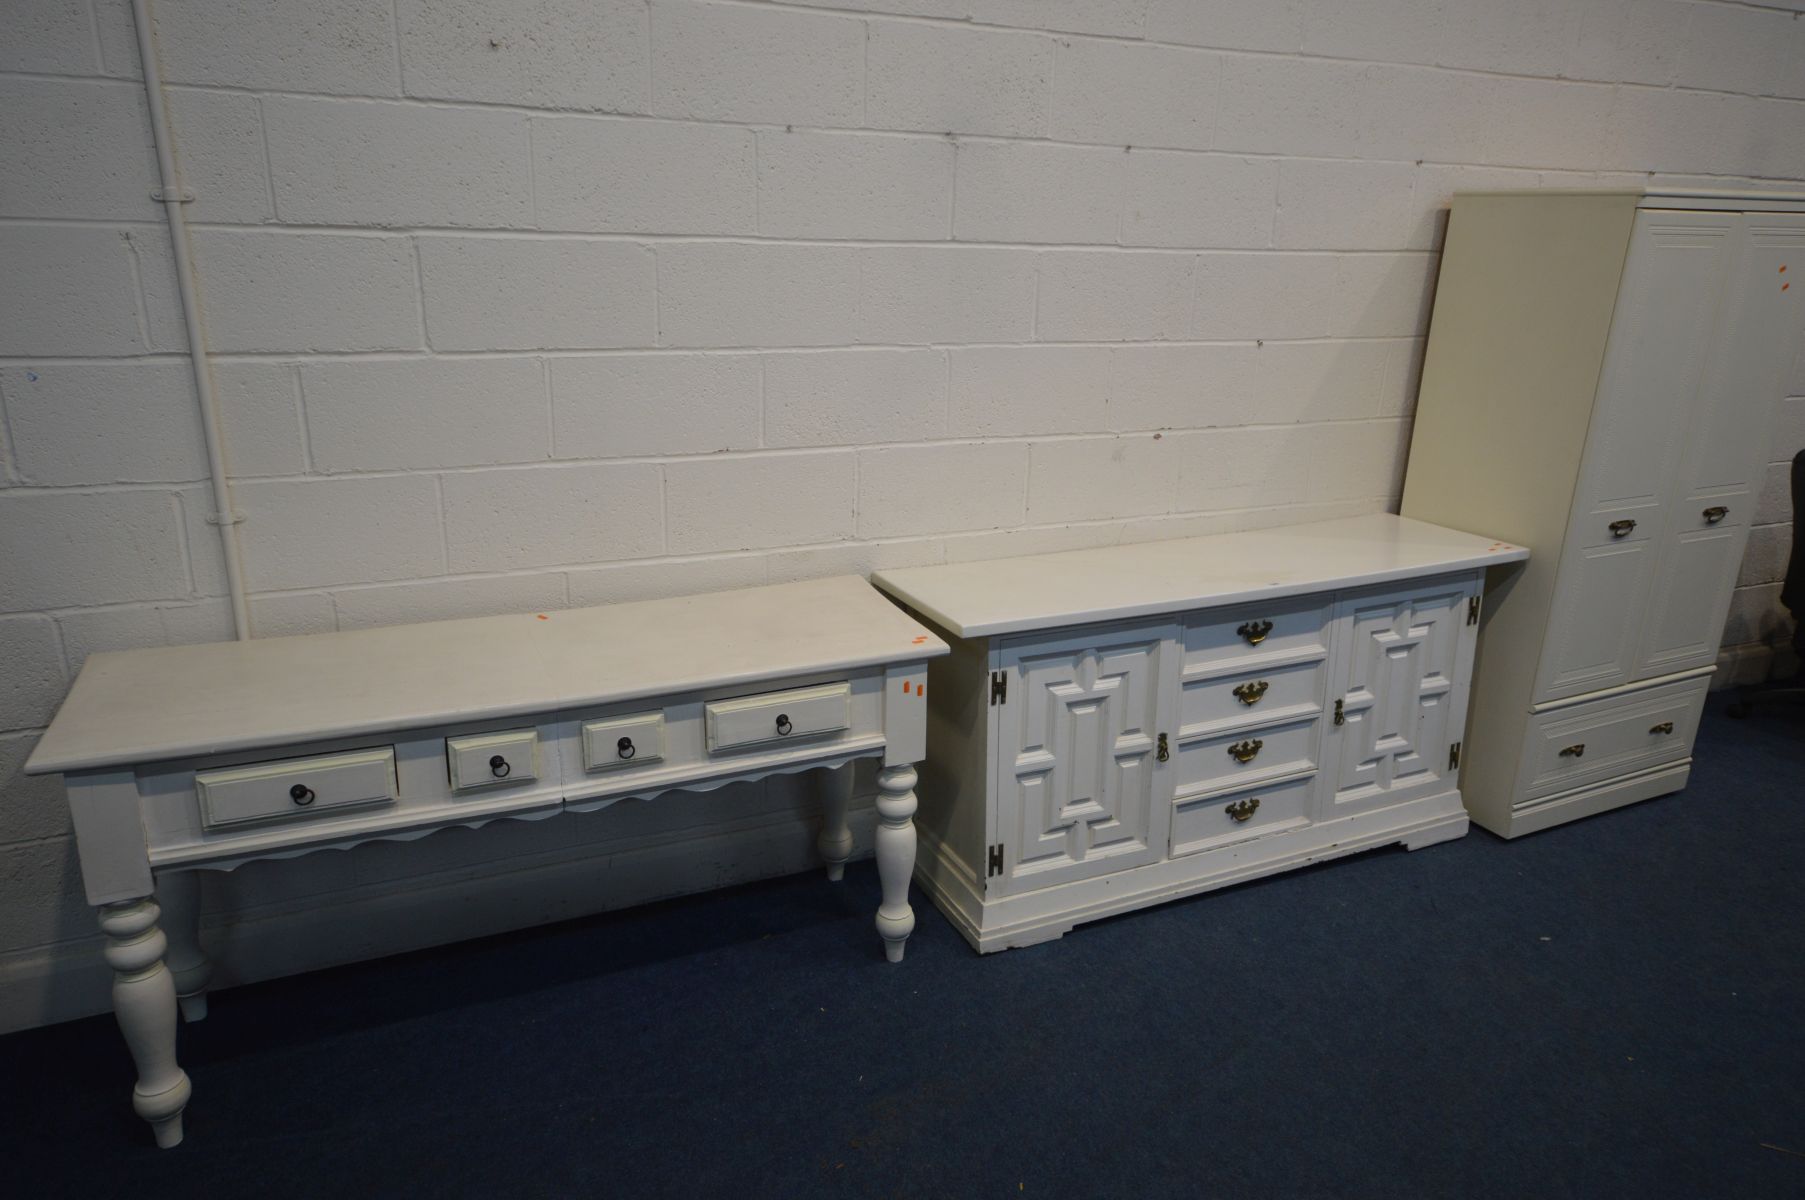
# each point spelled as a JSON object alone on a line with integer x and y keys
{"x": 1599, "y": 386}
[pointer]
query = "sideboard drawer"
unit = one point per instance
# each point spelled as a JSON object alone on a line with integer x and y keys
{"x": 1581, "y": 743}
{"x": 1237, "y": 639}
{"x": 296, "y": 787}
{"x": 483, "y": 760}
{"x": 630, "y": 741}
{"x": 1236, "y": 759}
{"x": 1199, "y": 825}
{"x": 1256, "y": 697}
{"x": 778, "y": 716}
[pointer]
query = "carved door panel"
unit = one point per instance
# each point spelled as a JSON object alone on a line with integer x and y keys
{"x": 1082, "y": 789}
{"x": 1401, "y": 662}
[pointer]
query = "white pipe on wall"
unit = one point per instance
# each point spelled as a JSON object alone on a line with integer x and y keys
{"x": 224, "y": 516}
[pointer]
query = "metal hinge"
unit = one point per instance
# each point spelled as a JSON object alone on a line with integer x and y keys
{"x": 1473, "y": 610}
{"x": 999, "y": 687}
{"x": 1454, "y": 756}
{"x": 996, "y": 861}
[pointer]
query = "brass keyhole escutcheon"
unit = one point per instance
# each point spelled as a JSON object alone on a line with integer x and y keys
{"x": 1164, "y": 752}
{"x": 1240, "y": 810}
{"x": 1250, "y": 693}
{"x": 1255, "y": 631}
{"x": 1243, "y": 752}
{"x": 1574, "y": 751}
{"x": 1663, "y": 727}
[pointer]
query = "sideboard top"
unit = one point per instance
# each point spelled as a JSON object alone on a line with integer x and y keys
{"x": 137, "y": 706}
{"x": 1074, "y": 587}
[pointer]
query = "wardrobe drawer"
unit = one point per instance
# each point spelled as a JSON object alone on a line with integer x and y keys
{"x": 1204, "y": 824}
{"x": 485, "y": 760}
{"x": 778, "y": 716}
{"x": 1239, "y": 759}
{"x": 1580, "y": 743}
{"x": 1255, "y": 698}
{"x": 631, "y": 741}
{"x": 1221, "y": 640}
{"x": 296, "y": 787}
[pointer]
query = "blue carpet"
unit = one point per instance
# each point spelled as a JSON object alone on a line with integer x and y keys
{"x": 1611, "y": 1008}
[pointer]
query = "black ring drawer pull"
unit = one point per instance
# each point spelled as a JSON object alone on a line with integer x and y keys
{"x": 1715, "y": 513}
{"x": 498, "y": 767}
{"x": 625, "y": 748}
{"x": 783, "y": 725}
{"x": 1255, "y": 631}
{"x": 1243, "y": 752}
{"x": 1621, "y": 528}
{"x": 1663, "y": 727}
{"x": 301, "y": 794}
{"x": 1240, "y": 810}
{"x": 1574, "y": 751}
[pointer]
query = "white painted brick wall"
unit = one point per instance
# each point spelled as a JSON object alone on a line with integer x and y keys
{"x": 562, "y": 302}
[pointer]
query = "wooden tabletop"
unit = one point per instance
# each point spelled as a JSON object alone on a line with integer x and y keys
{"x": 139, "y": 706}
{"x": 1044, "y": 591}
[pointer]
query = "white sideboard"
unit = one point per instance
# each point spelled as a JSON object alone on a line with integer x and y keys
{"x": 1121, "y": 726}
{"x": 206, "y": 757}
{"x": 1599, "y": 385}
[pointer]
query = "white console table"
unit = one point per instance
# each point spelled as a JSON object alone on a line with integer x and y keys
{"x": 207, "y": 757}
{"x": 1126, "y": 725}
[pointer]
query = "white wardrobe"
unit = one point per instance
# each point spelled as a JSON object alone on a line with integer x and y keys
{"x": 1599, "y": 386}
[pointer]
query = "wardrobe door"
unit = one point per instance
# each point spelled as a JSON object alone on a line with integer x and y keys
{"x": 1727, "y": 438}
{"x": 1661, "y": 336}
{"x": 1402, "y": 659}
{"x": 1083, "y": 788}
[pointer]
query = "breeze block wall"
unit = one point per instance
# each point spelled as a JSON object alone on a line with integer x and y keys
{"x": 525, "y": 304}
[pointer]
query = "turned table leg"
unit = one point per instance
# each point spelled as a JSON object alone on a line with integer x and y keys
{"x": 144, "y": 1003}
{"x": 835, "y": 842}
{"x": 895, "y": 856}
{"x": 179, "y": 896}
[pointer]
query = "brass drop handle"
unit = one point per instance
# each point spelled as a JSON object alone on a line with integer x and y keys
{"x": 1574, "y": 751}
{"x": 1240, "y": 810}
{"x": 1255, "y": 631}
{"x": 1250, "y": 693}
{"x": 1716, "y": 513}
{"x": 1163, "y": 753}
{"x": 1663, "y": 727}
{"x": 1622, "y": 528}
{"x": 1340, "y": 713}
{"x": 1243, "y": 752}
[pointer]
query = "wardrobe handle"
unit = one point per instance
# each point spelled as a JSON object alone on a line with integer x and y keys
{"x": 1663, "y": 727}
{"x": 1164, "y": 752}
{"x": 1716, "y": 513}
{"x": 1621, "y": 528}
{"x": 1574, "y": 751}
{"x": 1250, "y": 693}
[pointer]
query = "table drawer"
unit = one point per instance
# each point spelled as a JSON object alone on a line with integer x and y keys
{"x": 1581, "y": 743}
{"x": 630, "y": 741}
{"x": 1235, "y": 760}
{"x": 778, "y": 716}
{"x": 1230, "y": 640}
{"x": 484, "y": 760}
{"x": 1204, "y": 824}
{"x": 296, "y": 787}
{"x": 1257, "y": 697}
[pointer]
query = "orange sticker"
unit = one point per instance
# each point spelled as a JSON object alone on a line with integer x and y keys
{"x": 543, "y": 617}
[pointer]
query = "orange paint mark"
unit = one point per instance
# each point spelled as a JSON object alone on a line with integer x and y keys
{"x": 918, "y": 641}
{"x": 1782, "y": 268}
{"x": 922, "y": 690}
{"x": 1784, "y": 286}
{"x": 543, "y": 617}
